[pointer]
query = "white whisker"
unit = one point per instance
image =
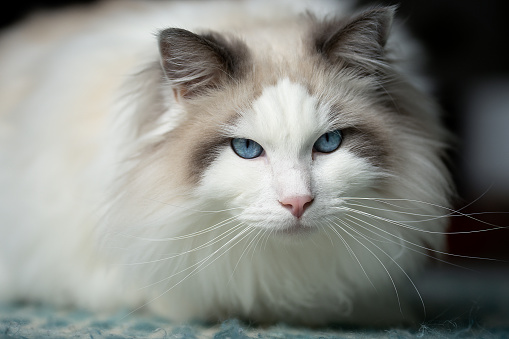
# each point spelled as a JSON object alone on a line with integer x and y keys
{"x": 455, "y": 212}
{"x": 189, "y": 267}
{"x": 199, "y": 265}
{"x": 259, "y": 241}
{"x": 395, "y": 262}
{"x": 267, "y": 238}
{"x": 202, "y": 246}
{"x": 375, "y": 256}
{"x": 186, "y": 236}
{"x": 432, "y": 217}
{"x": 242, "y": 254}
{"x": 349, "y": 249}
{"x": 324, "y": 229}
{"x": 402, "y": 240}
{"x": 414, "y": 244}
{"x": 402, "y": 224}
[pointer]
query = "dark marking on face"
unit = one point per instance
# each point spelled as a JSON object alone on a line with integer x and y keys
{"x": 204, "y": 153}
{"x": 363, "y": 135}
{"x": 199, "y": 140}
{"x": 368, "y": 144}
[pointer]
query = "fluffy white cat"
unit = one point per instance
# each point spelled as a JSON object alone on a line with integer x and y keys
{"x": 254, "y": 160}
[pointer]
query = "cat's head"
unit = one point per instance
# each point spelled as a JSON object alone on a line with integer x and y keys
{"x": 282, "y": 131}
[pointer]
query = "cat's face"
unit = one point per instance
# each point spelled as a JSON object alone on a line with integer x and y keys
{"x": 292, "y": 156}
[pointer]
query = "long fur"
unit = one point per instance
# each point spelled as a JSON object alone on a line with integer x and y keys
{"x": 119, "y": 187}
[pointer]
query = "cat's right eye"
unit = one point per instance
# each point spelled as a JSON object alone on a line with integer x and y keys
{"x": 246, "y": 148}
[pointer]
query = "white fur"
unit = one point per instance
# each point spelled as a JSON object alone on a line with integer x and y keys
{"x": 212, "y": 251}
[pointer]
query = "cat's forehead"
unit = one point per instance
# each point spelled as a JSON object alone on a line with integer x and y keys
{"x": 284, "y": 114}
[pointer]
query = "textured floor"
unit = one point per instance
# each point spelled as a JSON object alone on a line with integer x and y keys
{"x": 43, "y": 322}
{"x": 466, "y": 305}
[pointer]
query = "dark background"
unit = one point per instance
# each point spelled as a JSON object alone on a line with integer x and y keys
{"x": 466, "y": 42}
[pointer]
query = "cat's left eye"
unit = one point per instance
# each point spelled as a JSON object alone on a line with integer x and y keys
{"x": 328, "y": 142}
{"x": 246, "y": 148}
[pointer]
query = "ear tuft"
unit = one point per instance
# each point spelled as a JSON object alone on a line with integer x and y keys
{"x": 361, "y": 39}
{"x": 196, "y": 63}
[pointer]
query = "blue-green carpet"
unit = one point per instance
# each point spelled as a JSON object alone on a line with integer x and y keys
{"x": 470, "y": 306}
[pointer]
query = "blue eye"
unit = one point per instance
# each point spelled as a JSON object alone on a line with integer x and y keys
{"x": 328, "y": 142}
{"x": 246, "y": 148}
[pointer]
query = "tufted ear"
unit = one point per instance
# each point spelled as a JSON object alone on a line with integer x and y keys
{"x": 195, "y": 63}
{"x": 360, "y": 40}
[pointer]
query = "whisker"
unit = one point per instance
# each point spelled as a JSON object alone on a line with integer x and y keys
{"x": 202, "y": 246}
{"x": 403, "y": 240}
{"x": 443, "y": 207}
{"x": 402, "y": 224}
{"x": 189, "y": 267}
{"x": 198, "y": 269}
{"x": 375, "y": 256}
{"x": 426, "y": 248}
{"x": 258, "y": 241}
{"x": 396, "y": 263}
{"x": 349, "y": 249}
{"x": 243, "y": 252}
{"x": 190, "y": 235}
{"x": 325, "y": 230}
{"x": 200, "y": 264}
{"x": 267, "y": 238}
{"x": 433, "y": 217}
{"x": 381, "y": 200}
{"x": 394, "y": 222}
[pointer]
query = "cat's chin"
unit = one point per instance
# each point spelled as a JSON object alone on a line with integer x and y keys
{"x": 296, "y": 229}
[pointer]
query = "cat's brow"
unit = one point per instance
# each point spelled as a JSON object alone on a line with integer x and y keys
{"x": 363, "y": 138}
{"x": 367, "y": 143}
{"x": 204, "y": 153}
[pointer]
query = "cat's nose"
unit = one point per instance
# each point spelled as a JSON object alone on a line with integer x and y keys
{"x": 298, "y": 204}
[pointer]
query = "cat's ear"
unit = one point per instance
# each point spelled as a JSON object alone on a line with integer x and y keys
{"x": 361, "y": 39}
{"x": 195, "y": 63}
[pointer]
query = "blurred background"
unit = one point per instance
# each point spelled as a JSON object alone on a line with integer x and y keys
{"x": 467, "y": 45}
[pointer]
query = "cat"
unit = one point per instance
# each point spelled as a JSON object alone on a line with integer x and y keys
{"x": 271, "y": 161}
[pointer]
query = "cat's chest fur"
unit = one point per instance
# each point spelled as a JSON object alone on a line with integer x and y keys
{"x": 269, "y": 165}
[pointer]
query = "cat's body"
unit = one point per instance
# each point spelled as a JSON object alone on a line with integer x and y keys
{"x": 120, "y": 186}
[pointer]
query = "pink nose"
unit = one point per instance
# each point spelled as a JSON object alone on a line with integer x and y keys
{"x": 297, "y": 205}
